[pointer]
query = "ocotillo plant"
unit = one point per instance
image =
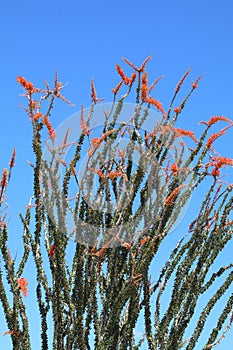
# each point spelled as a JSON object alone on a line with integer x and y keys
{"x": 114, "y": 193}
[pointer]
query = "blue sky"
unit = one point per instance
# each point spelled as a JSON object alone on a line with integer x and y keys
{"x": 85, "y": 39}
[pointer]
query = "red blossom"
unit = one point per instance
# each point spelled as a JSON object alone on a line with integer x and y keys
{"x": 12, "y": 161}
{"x": 84, "y": 127}
{"x": 144, "y": 88}
{"x": 27, "y": 85}
{"x": 52, "y": 250}
{"x": 217, "y": 118}
{"x": 56, "y": 90}
{"x": 13, "y": 333}
{"x": 100, "y": 253}
{"x": 93, "y": 93}
{"x": 52, "y": 133}
{"x": 182, "y": 132}
{"x": 124, "y": 78}
{"x": 195, "y": 84}
{"x": 116, "y": 173}
{"x": 174, "y": 168}
{"x": 172, "y": 196}
{"x": 3, "y": 181}
{"x": 117, "y": 88}
{"x": 137, "y": 69}
{"x": 157, "y": 104}
{"x": 132, "y": 78}
{"x": 214, "y": 137}
{"x": 178, "y": 86}
{"x": 155, "y": 82}
{"x": 177, "y": 109}
{"x": 221, "y": 161}
{"x": 143, "y": 240}
{"x": 98, "y": 172}
{"x": 96, "y": 141}
{"x": 37, "y": 116}
{"x": 215, "y": 172}
{"x": 23, "y": 286}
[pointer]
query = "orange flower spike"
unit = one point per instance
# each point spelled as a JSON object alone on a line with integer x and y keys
{"x": 157, "y": 104}
{"x": 117, "y": 88}
{"x": 23, "y": 286}
{"x": 85, "y": 129}
{"x": 182, "y": 132}
{"x": 93, "y": 93}
{"x": 27, "y": 85}
{"x": 144, "y": 88}
{"x": 57, "y": 86}
{"x": 217, "y": 118}
{"x": 214, "y": 137}
{"x": 52, "y": 250}
{"x": 178, "y": 86}
{"x": 137, "y": 69}
{"x": 12, "y": 161}
{"x": 124, "y": 78}
{"x": 132, "y": 78}
{"x": 155, "y": 83}
{"x": 130, "y": 63}
{"x": 172, "y": 196}
{"x": 116, "y": 173}
{"x": 52, "y": 133}
{"x": 142, "y": 68}
{"x": 3, "y": 181}
{"x": 21, "y": 80}
{"x": 98, "y": 172}
{"x": 220, "y": 161}
{"x": 56, "y": 90}
{"x": 100, "y": 253}
{"x": 106, "y": 134}
{"x": 195, "y": 84}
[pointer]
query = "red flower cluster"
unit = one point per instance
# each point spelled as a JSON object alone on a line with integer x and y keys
{"x": 13, "y": 333}
{"x": 27, "y": 85}
{"x": 52, "y": 133}
{"x": 23, "y": 286}
{"x": 12, "y": 161}
{"x": 214, "y": 137}
{"x": 3, "y": 181}
{"x": 96, "y": 141}
{"x": 172, "y": 196}
{"x": 144, "y": 94}
{"x": 52, "y": 250}
{"x": 218, "y": 163}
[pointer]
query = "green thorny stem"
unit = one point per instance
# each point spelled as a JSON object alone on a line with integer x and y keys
{"x": 97, "y": 293}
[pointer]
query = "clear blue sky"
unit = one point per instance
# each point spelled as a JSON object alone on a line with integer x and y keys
{"x": 85, "y": 39}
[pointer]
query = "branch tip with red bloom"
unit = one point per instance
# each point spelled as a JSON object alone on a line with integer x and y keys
{"x": 137, "y": 69}
{"x": 180, "y": 83}
{"x": 51, "y": 131}
{"x": 12, "y": 161}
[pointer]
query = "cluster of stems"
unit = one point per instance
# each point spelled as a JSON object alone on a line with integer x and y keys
{"x": 94, "y": 284}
